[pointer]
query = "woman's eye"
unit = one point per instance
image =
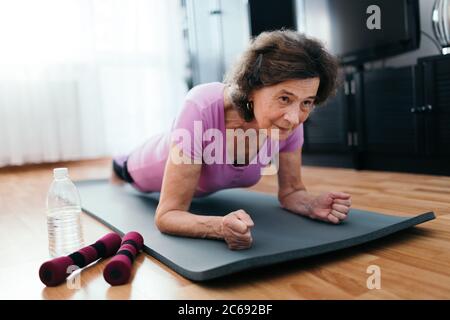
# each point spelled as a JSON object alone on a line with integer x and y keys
{"x": 284, "y": 99}
{"x": 308, "y": 104}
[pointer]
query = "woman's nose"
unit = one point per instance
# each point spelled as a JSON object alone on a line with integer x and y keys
{"x": 293, "y": 116}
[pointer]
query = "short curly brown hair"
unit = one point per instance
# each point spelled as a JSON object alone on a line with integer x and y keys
{"x": 275, "y": 56}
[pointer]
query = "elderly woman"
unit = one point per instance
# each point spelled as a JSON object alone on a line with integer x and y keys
{"x": 272, "y": 89}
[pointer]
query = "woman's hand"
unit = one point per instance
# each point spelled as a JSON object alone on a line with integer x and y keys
{"x": 236, "y": 228}
{"x": 330, "y": 207}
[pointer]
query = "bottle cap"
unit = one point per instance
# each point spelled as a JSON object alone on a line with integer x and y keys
{"x": 59, "y": 173}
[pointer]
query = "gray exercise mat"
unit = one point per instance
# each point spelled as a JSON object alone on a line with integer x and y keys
{"x": 278, "y": 235}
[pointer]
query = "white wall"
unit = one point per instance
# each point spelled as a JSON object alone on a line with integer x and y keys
{"x": 216, "y": 39}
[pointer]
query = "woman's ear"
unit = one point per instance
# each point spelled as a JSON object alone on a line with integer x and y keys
{"x": 250, "y": 98}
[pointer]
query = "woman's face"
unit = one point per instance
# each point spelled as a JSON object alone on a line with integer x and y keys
{"x": 284, "y": 106}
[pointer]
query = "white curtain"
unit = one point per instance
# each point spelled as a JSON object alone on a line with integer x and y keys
{"x": 87, "y": 78}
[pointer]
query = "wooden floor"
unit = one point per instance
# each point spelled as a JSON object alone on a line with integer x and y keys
{"x": 414, "y": 263}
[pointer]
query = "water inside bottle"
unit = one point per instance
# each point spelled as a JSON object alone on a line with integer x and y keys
{"x": 64, "y": 230}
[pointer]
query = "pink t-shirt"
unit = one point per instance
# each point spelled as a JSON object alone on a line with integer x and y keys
{"x": 204, "y": 105}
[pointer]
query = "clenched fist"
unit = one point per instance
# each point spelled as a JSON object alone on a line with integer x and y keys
{"x": 330, "y": 207}
{"x": 236, "y": 228}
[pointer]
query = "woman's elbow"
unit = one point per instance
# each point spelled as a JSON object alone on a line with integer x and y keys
{"x": 161, "y": 222}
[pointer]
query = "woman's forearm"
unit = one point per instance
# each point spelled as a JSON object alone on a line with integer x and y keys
{"x": 298, "y": 201}
{"x": 184, "y": 223}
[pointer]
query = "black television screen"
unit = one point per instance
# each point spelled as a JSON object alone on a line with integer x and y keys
{"x": 343, "y": 26}
{"x": 266, "y": 15}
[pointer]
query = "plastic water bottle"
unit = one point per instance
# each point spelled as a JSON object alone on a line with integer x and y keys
{"x": 65, "y": 234}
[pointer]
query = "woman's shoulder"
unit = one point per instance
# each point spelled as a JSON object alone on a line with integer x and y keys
{"x": 204, "y": 103}
{"x": 206, "y": 94}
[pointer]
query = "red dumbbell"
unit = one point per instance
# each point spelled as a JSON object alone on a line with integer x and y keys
{"x": 118, "y": 269}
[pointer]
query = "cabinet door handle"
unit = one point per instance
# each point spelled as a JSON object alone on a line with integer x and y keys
{"x": 352, "y": 87}
{"x": 212, "y": 12}
{"x": 427, "y": 108}
{"x": 349, "y": 139}
{"x": 346, "y": 88}
{"x": 355, "y": 138}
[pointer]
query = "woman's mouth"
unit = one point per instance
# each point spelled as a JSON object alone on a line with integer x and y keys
{"x": 282, "y": 130}
{"x": 282, "y": 133}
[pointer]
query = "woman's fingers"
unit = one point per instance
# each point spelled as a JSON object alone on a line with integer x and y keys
{"x": 236, "y": 230}
{"x": 340, "y": 195}
{"x": 240, "y": 236}
{"x": 339, "y": 215}
{"x": 340, "y": 208}
{"x": 238, "y": 247}
{"x": 240, "y": 242}
{"x": 243, "y": 216}
{"x": 333, "y": 218}
{"x": 345, "y": 202}
{"x": 340, "y": 211}
{"x": 235, "y": 224}
{"x": 236, "y": 236}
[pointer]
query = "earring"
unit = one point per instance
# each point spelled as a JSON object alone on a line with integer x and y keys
{"x": 248, "y": 116}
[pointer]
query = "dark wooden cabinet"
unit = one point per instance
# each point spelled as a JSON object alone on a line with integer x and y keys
{"x": 390, "y": 127}
{"x": 330, "y": 134}
{"x": 327, "y": 126}
{"x": 394, "y": 119}
{"x": 434, "y": 105}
